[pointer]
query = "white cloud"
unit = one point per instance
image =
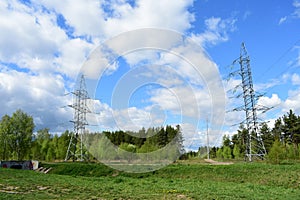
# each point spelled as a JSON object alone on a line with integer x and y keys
{"x": 271, "y": 122}
{"x": 272, "y": 83}
{"x": 131, "y": 118}
{"x": 234, "y": 102}
{"x": 273, "y": 101}
{"x": 85, "y": 16}
{"x": 286, "y": 78}
{"x": 40, "y": 96}
{"x": 131, "y": 46}
{"x": 295, "y": 79}
{"x": 192, "y": 138}
{"x": 292, "y": 102}
{"x": 32, "y": 39}
{"x": 282, "y": 20}
{"x": 73, "y": 54}
{"x": 247, "y": 14}
{"x": 217, "y": 30}
{"x": 296, "y": 4}
{"x": 27, "y": 33}
{"x": 294, "y": 15}
{"x": 182, "y": 61}
{"x": 149, "y": 13}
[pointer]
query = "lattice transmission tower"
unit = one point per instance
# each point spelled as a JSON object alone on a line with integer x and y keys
{"x": 76, "y": 148}
{"x": 254, "y": 143}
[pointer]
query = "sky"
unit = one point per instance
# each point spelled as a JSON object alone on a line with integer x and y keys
{"x": 148, "y": 63}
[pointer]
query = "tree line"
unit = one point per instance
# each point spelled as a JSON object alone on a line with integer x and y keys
{"x": 19, "y": 142}
{"x": 281, "y": 142}
{"x": 153, "y": 144}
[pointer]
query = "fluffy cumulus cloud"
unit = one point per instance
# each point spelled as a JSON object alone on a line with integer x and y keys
{"x": 97, "y": 18}
{"x": 269, "y": 102}
{"x": 146, "y": 13}
{"x": 40, "y": 96}
{"x": 189, "y": 81}
{"x": 26, "y": 32}
{"x": 280, "y": 105}
{"x": 292, "y": 102}
{"x": 44, "y": 45}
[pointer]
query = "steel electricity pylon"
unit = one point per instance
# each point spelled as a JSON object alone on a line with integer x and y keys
{"x": 254, "y": 143}
{"x": 76, "y": 148}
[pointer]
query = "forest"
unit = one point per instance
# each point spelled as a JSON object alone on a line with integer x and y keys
{"x": 18, "y": 141}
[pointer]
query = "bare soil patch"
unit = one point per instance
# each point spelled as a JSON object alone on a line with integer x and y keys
{"x": 213, "y": 162}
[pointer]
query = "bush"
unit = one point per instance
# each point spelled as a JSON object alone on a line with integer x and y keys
{"x": 277, "y": 153}
{"x": 220, "y": 153}
{"x": 227, "y": 152}
{"x": 237, "y": 152}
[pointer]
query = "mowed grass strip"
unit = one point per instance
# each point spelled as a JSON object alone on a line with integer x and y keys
{"x": 177, "y": 181}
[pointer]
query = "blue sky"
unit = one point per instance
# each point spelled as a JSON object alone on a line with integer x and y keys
{"x": 45, "y": 44}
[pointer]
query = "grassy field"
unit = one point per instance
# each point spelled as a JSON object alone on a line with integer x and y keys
{"x": 177, "y": 181}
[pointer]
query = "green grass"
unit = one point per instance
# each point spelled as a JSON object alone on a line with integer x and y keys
{"x": 177, "y": 181}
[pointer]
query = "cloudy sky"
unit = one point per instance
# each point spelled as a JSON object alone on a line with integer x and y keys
{"x": 147, "y": 63}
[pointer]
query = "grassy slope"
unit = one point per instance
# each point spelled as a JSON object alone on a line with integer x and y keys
{"x": 178, "y": 181}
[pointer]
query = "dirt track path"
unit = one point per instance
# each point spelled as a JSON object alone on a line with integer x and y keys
{"x": 210, "y": 161}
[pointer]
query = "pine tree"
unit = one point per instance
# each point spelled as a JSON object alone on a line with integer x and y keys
{"x": 267, "y": 136}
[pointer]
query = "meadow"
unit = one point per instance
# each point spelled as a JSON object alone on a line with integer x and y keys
{"x": 181, "y": 180}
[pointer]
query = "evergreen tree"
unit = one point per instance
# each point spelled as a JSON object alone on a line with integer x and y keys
{"x": 213, "y": 152}
{"x": 277, "y": 130}
{"x": 267, "y": 136}
{"x": 226, "y": 140}
{"x": 291, "y": 128}
{"x": 162, "y": 137}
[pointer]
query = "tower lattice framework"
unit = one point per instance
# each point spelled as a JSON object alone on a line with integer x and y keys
{"x": 76, "y": 148}
{"x": 254, "y": 143}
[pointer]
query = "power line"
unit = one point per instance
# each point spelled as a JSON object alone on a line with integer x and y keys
{"x": 279, "y": 59}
